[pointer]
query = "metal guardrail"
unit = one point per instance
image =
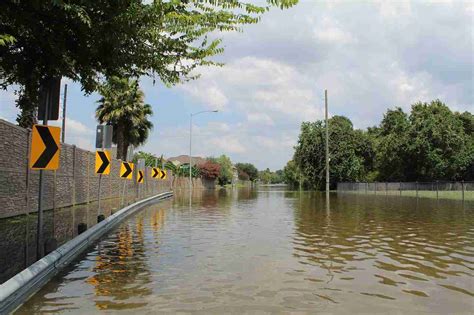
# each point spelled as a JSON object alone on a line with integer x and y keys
{"x": 462, "y": 190}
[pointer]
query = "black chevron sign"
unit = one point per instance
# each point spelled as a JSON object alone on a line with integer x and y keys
{"x": 163, "y": 174}
{"x": 140, "y": 177}
{"x": 102, "y": 162}
{"x": 154, "y": 172}
{"x": 45, "y": 147}
{"x": 126, "y": 170}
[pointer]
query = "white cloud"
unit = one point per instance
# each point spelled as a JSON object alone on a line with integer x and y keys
{"x": 210, "y": 95}
{"x": 229, "y": 144}
{"x": 77, "y": 133}
{"x": 394, "y": 9}
{"x": 260, "y": 118}
{"x": 263, "y": 90}
{"x": 330, "y": 31}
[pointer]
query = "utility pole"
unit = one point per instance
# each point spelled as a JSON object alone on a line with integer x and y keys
{"x": 64, "y": 114}
{"x": 190, "y": 152}
{"x": 327, "y": 143}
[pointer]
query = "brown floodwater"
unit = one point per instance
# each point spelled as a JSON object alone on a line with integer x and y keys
{"x": 271, "y": 251}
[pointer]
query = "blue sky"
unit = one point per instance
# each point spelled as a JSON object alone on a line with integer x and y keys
{"x": 369, "y": 55}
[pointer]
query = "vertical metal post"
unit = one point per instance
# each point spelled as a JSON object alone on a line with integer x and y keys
{"x": 138, "y": 185}
{"x": 88, "y": 177}
{"x": 123, "y": 192}
{"x": 54, "y": 201}
{"x": 73, "y": 190}
{"x": 100, "y": 180}
{"x": 74, "y": 175}
{"x": 462, "y": 188}
{"x": 299, "y": 182}
{"x": 39, "y": 230}
{"x": 437, "y": 190}
{"x": 156, "y": 182}
{"x": 27, "y": 199}
{"x": 375, "y": 188}
{"x": 327, "y": 141}
{"x": 190, "y": 151}
{"x": 64, "y": 114}
{"x": 98, "y": 206}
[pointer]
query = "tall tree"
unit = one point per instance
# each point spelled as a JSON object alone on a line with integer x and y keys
{"x": 347, "y": 156}
{"x": 291, "y": 174}
{"x": 430, "y": 143}
{"x": 226, "y": 169}
{"x": 89, "y": 40}
{"x": 393, "y": 146}
{"x": 441, "y": 147}
{"x": 122, "y": 106}
{"x": 226, "y": 173}
{"x": 248, "y": 169}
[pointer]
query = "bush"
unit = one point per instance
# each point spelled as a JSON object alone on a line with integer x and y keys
{"x": 210, "y": 170}
{"x": 243, "y": 175}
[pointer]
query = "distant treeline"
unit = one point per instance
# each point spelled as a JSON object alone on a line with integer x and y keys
{"x": 429, "y": 143}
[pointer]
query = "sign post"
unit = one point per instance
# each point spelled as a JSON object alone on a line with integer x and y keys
{"x": 103, "y": 139}
{"x": 45, "y": 147}
{"x": 140, "y": 174}
{"x": 126, "y": 171}
{"x": 129, "y": 170}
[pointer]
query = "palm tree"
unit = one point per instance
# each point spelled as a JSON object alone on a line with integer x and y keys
{"x": 122, "y": 105}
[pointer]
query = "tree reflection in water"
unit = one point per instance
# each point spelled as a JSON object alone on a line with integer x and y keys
{"x": 120, "y": 271}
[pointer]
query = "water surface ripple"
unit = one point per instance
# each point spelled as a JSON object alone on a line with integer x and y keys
{"x": 267, "y": 251}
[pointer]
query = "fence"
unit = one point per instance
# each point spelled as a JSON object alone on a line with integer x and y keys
{"x": 438, "y": 189}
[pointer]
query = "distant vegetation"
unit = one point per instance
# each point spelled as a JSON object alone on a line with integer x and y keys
{"x": 150, "y": 159}
{"x": 429, "y": 143}
{"x": 210, "y": 170}
{"x": 247, "y": 171}
{"x": 221, "y": 169}
{"x": 225, "y": 169}
{"x": 269, "y": 177}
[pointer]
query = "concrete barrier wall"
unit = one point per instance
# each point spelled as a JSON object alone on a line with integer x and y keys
{"x": 198, "y": 183}
{"x": 75, "y": 181}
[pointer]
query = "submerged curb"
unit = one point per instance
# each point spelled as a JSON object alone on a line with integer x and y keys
{"x": 18, "y": 289}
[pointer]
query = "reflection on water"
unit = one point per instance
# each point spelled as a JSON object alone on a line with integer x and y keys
{"x": 276, "y": 251}
{"x": 18, "y": 234}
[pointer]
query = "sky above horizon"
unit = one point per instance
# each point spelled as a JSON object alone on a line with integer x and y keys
{"x": 370, "y": 56}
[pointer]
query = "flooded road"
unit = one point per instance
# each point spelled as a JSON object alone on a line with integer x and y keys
{"x": 270, "y": 251}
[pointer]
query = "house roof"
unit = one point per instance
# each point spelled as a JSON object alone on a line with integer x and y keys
{"x": 184, "y": 159}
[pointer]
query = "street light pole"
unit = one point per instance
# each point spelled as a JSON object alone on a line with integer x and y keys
{"x": 64, "y": 114}
{"x": 327, "y": 142}
{"x": 191, "y": 143}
